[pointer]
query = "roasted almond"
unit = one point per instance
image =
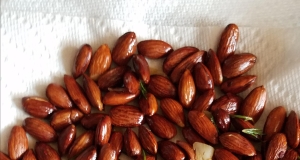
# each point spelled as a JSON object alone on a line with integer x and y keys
{"x": 214, "y": 67}
{"x": 229, "y": 102}
{"x": 131, "y": 82}
{"x": 126, "y": 116}
{"x": 124, "y": 48}
{"x": 63, "y": 118}
{"x": 116, "y": 141}
{"x": 93, "y": 92}
{"x": 186, "y": 89}
{"x": 154, "y": 48}
{"x": 76, "y": 94}
{"x": 103, "y": 131}
{"x": 66, "y": 138}
{"x": 291, "y": 129}
{"x": 147, "y": 140}
{"x": 81, "y": 143}
{"x": 170, "y": 151}
{"x": 114, "y": 98}
{"x": 173, "y": 110}
{"x": 148, "y": 104}
{"x": 141, "y": 67}
{"x": 187, "y": 148}
{"x": 203, "y": 78}
{"x": 274, "y": 122}
{"x": 89, "y": 154}
{"x": 28, "y": 155}
{"x": 17, "y": 142}
{"x": 223, "y": 154}
{"x": 222, "y": 120}
{"x": 191, "y": 136}
{"x": 3, "y": 156}
{"x": 161, "y": 127}
{"x": 238, "y": 84}
{"x": 58, "y": 96}
{"x": 112, "y": 77}
{"x": 161, "y": 87}
{"x": 82, "y": 60}
{"x": 39, "y": 129}
{"x": 277, "y": 147}
{"x": 204, "y": 100}
{"x": 107, "y": 152}
{"x": 90, "y": 121}
{"x": 45, "y": 152}
{"x": 238, "y": 64}
{"x": 131, "y": 143}
{"x": 228, "y": 42}
{"x": 37, "y": 106}
{"x": 290, "y": 155}
{"x": 258, "y": 156}
{"x": 100, "y": 62}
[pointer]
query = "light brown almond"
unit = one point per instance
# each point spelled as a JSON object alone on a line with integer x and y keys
{"x": 65, "y": 139}
{"x": 81, "y": 143}
{"x": 100, "y": 62}
{"x": 161, "y": 87}
{"x": 154, "y": 48}
{"x": 28, "y": 155}
{"x": 147, "y": 140}
{"x": 187, "y": 89}
{"x": 148, "y": 104}
{"x": 124, "y": 48}
{"x": 141, "y": 67}
{"x": 17, "y": 142}
{"x": 161, "y": 127}
{"x": 277, "y": 147}
{"x": 204, "y": 100}
{"x": 93, "y": 92}
{"x": 103, "y": 131}
{"x": 131, "y": 143}
{"x": 238, "y": 84}
{"x": 82, "y": 60}
{"x": 223, "y": 154}
{"x": 291, "y": 129}
{"x": 214, "y": 67}
{"x": 126, "y": 116}
{"x": 58, "y": 96}
{"x": 45, "y": 152}
{"x": 170, "y": 151}
{"x": 173, "y": 110}
{"x": 274, "y": 122}
{"x": 112, "y": 77}
{"x": 37, "y": 106}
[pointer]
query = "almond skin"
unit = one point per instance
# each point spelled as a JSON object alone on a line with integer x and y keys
{"x": 254, "y": 104}
{"x": 148, "y": 104}
{"x": 228, "y": 42}
{"x": 107, "y": 152}
{"x": 81, "y": 143}
{"x": 3, "y": 156}
{"x": 174, "y": 58}
{"x": 45, "y": 152}
{"x": 131, "y": 143}
{"x": 76, "y": 94}
{"x": 44, "y": 132}
{"x": 203, "y": 126}
{"x": 141, "y": 67}
{"x": 90, "y": 121}
{"x": 37, "y": 106}
{"x": 222, "y": 120}
{"x": 203, "y": 78}
{"x": 89, "y": 154}
{"x": 191, "y": 136}
{"x": 229, "y": 102}
{"x": 223, "y": 154}
{"x": 187, "y": 148}
{"x": 64, "y": 118}
{"x": 103, "y": 131}
{"x": 238, "y": 64}
{"x": 161, "y": 127}
{"x": 291, "y": 129}
{"x": 112, "y": 77}
{"x": 131, "y": 82}
{"x": 82, "y": 60}
{"x": 173, "y": 110}
{"x": 290, "y": 155}
{"x": 154, "y": 48}
{"x": 100, "y": 62}
{"x": 28, "y": 155}
{"x": 116, "y": 141}
{"x": 93, "y": 92}
{"x": 161, "y": 87}
{"x": 238, "y": 84}
{"x": 274, "y": 122}
{"x": 126, "y": 116}
{"x": 114, "y": 98}
{"x": 124, "y": 48}
{"x": 236, "y": 143}
{"x": 277, "y": 147}
{"x": 17, "y": 142}
{"x": 187, "y": 89}
{"x": 214, "y": 67}
{"x": 170, "y": 151}
{"x": 147, "y": 140}
{"x": 65, "y": 139}
{"x": 58, "y": 96}
{"x": 204, "y": 100}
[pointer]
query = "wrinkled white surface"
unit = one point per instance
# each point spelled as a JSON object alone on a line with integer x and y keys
{"x": 39, "y": 41}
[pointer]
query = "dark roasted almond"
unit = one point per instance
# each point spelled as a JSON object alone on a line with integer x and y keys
{"x": 188, "y": 149}
{"x": 170, "y": 151}
{"x": 131, "y": 82}
{"x": 229, "y": 102}
{"x": 131, "y": 143}
{"x": 274, "y": 122}
{"x": 103, "y": 131}
{"x": 65, "y": 139}
{"x": 141, "y": 67}
{"x": 147, "y": 140}
{"x": 148, "y": 104}
{"x": 277, "y": 147}
{"x": 173, "y": 110}
{"x": 203, "y": 78}
{"x": 112, "y": 77}
{"x": 107, "y": 152}
{"x": 124, "y": 48}
{"x": 93, "y": 92}
{"x": 81, "y": 143}
{"x": 223, "y": 154}
{"x": 114, "y": 98}
{"x": 116, "y": 141}
{"x": 291, "y": 129}
{"x": 161, "y": 87}
{"x": 89, "y": 154}
{"x": 45, "y": 152}
{"x": 204, "y": 100}
{"x": 191, "y": 136}
{"x": 214, "y": 67}
{"x": 82, "y": 60}
{"x": 90, "y": 121}
{"x": 161, "y": 127}
{"x": 222, "y": 120}
{"x": 126, "y": 116}
{"x": 154, "y": 48}
{"x": 37, "y": 106}
{"x": 17, "y": 142}
{"x": 238, "y": 84}
{"x": 58, "y": 96}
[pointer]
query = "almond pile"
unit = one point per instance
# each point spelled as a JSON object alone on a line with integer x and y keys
{"x": 213, "y": 128}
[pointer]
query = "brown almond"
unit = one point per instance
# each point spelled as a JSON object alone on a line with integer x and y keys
{"x": 223, "y": 154}
{"x": 188, "y": 149}
{"x": 45, "y": 152}
{"x": 76, "y": 115}
{"x": 186, "y": 89}
{"x": 229, "y": 102}
{"x": 124, "y": 48}
{"x": 76, "y": 94}
{"x": 228, "y": 42}
{"x": 112, "y": 77}
{"x": 28, "y": 155}
{"x": 131, "y": 143}
{"x": 161, "y": 127}
{"x": 148, "y": 104}
{"x": 147, "y": 140}
{"x": 37, "y": 106}
{"x": 44, "y": 132}
{"x": 277, "y": 147}
{"x": 204, "y": 100}
{"x": 161, "y": 87}
{"x": 58, "y": 96}
{"x": 17, "y": 142}
{"x": 93, "y": 92}
{"x": 170, "y": 151}
{"x": 126, "y": 116}
{"x": 191, "y": 136}
{"x": 203, "y": 126}
{"x": 254, "y": 104}
{"x": 258, "y": 156}
{"x": 222, "y": 120}
{"x": 174, "y": 58}
{"x": 291, "y": 129}
{"x": 116, "y": 141}
{"x": 89, "y": 154}
{"x": 238, "y": 84}
{"x": 187, "y": 63}
{"x": 274, "y": 122}
{"x": 154, "y": 48}
{"x": 63, "y": 118}
{"x": 3, "y": 156}
{"x": 100, "y": 62}
{"x": 131, "y": 82}
{"x": 114, "y": 98}
{"x": 90, "y": 121}
{"x": 103, "y": 131}
{"x": 82, "y": 60}
{"x": 107, "y": 152}
{"x": 66, "y": 138}
{"x": 290, "y": 155}
{"x": 81, "y": 143}
{"x": 238, "y": 64}
{"x": 173, "y": 110}
{"x": 236, "y": 143}
{"x": 141, "y": 67}
{"x": 214, "y": 67}
{"x": 203, "y": 78}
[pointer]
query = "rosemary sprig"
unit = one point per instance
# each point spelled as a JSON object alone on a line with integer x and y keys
{"x": 144, "y": 155}
{"x": 254, "y": 132}
{"x": 245, "y": 118}
{"x": 143, "y": 89}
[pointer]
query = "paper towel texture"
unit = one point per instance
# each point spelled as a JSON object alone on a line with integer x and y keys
{"x": 39, "y": 48}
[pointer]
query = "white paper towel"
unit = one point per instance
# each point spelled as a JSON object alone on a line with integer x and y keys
{"x": 38, "y": 47}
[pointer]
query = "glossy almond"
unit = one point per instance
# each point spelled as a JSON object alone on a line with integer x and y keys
{"x": 89, "y": 154}
{"x": 17, "y": 142}
{"x": 124, "y": 48}
{"x": 223, "y": 154}
{"x": 131, "y": 82}
{"x": 290, "y": 155}
{"x": 170, "y": 151}
{"x": 238, "y": 84}
{"x": 114, "y": 98}
{"x": 126, "y": 116}
{"x": 187, "y": 63}
{"x": 203, "y": 78}
{"x": 238, "y": 64}
{"x": 141, "y": 67}
{"x": 236, "y": 143}
{"x": 222, "y": 120}
{"x": 274, "y": 122}
{"x": 82, "y": 60}
{"x": 148, "y": 105}
{"x": 204, "y": 100}
{"x": 58, "y": 96}
{"x": 229, "y": 102}
{"x": 214, "y": 67}
{"x": 203, "y": 126}
{"x": 100, "y": 62}
{"x": 39, "y": 129}
{"x": 147, "y": 140}
{"x": 45, "y": 152}
{"x": 277, "y": 147}
{"x": 187, "y": 148}
{"x": 186, "y": 89}
{"x": 161, "y": 87}
{"x": 28, "y": 155}
{"x": 291, "y": 129}
{"x": 93, "y": 92}
{"x": 103, "y": 131}
{"x": 228, "y": 42}
{"x": 37, "y": 106}
{"x": 112, "y": 77}
{"x": 65, "y": 139}
{"x": 154, "y": 48}
{"x": 3, "y": 156}
{"x": 63, "y": 118}
{"x": 173, "y": 110}
{"x": 107, "y": 152}
{"x": 81, "y": 143}
{"x": 254, "y": 104}
{"x": 76, "y": 94}
{"x": 90, "y": 121}
{"x": 191, "y": 136}
{"x": 131, "y": 143}
{"x": 116, "y": 141}
{"x": 161, "y": 127}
